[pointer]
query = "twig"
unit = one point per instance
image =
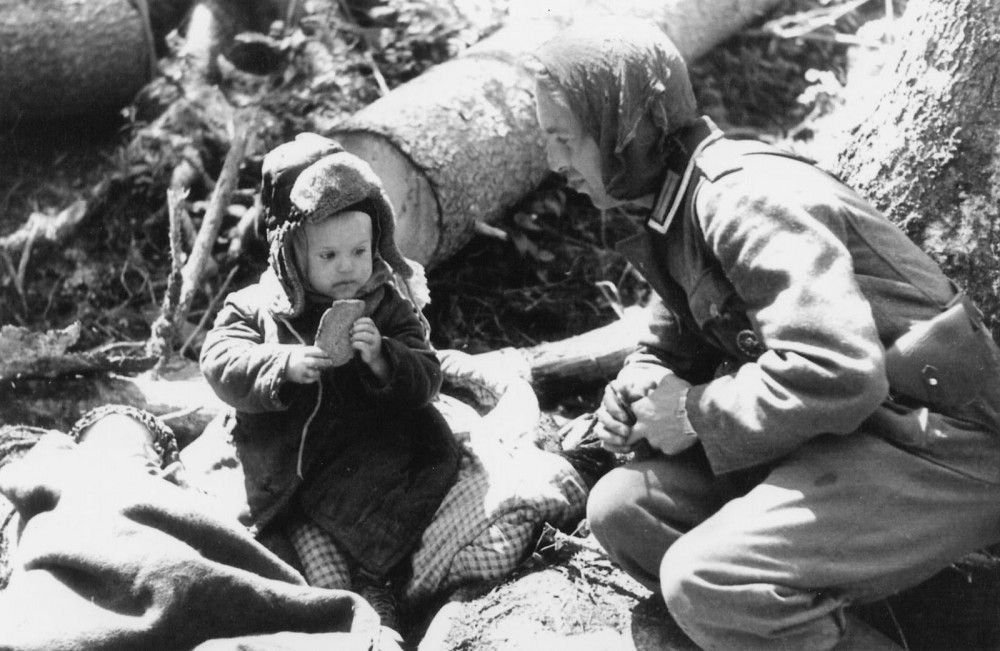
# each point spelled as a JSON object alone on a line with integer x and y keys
{"x": 841, "y": 39}
{"x": 369, "y": 59}
{"x": 163, "y": 330}
{"x": 10, "y": 193}
{"x": 348, "y": 14}
{"x": 212, "y": 222}
{"x": 22, "y": 267}
{"x": 49, "y": 228}
{"x": 376, "y": 72}
{"x": 293, "y": 7}
{"x": 208, "y": 312}
{"x": 180, "y": 413}
{"x": 52, "y": 296}
{"x": 805, "y": 22}
{"x": 482, "y": 228}
{"x": 612, "y": 296}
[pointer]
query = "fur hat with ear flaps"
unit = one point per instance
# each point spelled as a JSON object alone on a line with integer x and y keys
{"x": 309, "y": 180}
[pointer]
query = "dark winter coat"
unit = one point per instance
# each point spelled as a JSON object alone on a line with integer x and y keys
{"x": 376, "y": 460}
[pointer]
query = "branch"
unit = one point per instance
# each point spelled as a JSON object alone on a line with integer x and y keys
{"x": 212, "y": 222}
{"x": 164, "y": 329}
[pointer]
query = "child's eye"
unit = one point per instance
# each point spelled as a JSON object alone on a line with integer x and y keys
{"x": 329, "y": 255}
{"x": 360, "y": 251}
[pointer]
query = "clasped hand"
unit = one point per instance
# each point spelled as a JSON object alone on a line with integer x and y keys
{"x": 650, "y": 412}
{"x": 307, "y": 363}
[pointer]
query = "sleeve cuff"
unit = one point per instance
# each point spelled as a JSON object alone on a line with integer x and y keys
{"x": 682, "y": 415}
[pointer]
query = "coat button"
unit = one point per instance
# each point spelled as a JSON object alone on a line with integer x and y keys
{"x": 748, "y": 344}
{"x": 713, "y": 311}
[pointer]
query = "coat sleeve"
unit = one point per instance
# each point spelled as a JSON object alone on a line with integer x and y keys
{"x": 414, "y": 369}
{"x": 667, "y": 344}
{"x": 244, "y": 370}
{"x": 782, "y": 247}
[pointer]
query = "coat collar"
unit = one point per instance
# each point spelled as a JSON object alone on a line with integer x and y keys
{"x": 688, "y": 143}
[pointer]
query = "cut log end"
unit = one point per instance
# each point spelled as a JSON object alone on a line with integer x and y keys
{"x": 410, "y": 192}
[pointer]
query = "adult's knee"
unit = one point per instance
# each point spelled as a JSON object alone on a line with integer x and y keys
{"x": 611, "y": 507}
{"x": 682, "y": 579}
{"x": 721, "y": 602}
{"x": 698, "y": 597}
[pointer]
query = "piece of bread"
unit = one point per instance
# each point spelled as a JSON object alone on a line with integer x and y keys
{"x": 334, "y": 332}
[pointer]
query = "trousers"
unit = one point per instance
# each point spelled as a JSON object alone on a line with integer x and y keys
{"x": 769, "y": 558}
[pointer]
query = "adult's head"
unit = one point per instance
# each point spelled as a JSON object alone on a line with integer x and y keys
{"x": 609, "y": 93}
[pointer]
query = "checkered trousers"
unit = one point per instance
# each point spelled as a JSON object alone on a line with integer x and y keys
{"x": 323, "y": 564}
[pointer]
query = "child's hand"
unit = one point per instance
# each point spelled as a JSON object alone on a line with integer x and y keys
{"x": 367, "y": 340}
{"x": 306, "y": 363}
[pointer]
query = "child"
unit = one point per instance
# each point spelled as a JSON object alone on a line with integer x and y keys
{"x": 349, "y": 462}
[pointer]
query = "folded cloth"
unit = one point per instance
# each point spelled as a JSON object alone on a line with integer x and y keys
{"x": 110, "y": 556}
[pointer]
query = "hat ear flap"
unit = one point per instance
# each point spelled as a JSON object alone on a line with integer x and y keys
{"x": 386, "y": 218}
{"x": 283, "y": 261}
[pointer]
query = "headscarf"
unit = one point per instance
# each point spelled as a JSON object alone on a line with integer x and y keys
{"x": 629, "y": 87}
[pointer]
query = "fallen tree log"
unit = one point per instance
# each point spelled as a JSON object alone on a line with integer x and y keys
{"x": 63, "y": 58}
{"x": 460, "y": 143}
{"x": 562, "y": 368}
{"x": 47, "y": 354}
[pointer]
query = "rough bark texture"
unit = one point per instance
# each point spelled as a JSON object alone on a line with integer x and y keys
{"x": 61, "y": 58}
{"x": 461, "y": 143}
{"x": 929, "y": 154}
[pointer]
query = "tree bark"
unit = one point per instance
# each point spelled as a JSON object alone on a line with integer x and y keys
{"x": 63, "y": 58}
{"x": 929, "y": 153}
{"x": 461, "y": 143}
{"x": 929, "y": 156}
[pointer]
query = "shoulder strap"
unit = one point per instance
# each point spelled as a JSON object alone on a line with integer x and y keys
{"x": 713, "y": 158}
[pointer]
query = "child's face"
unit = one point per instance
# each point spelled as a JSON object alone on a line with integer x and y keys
{"x": 339, "y": 254}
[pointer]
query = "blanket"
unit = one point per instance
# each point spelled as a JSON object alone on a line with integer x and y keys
{"x": 116, "y": 558}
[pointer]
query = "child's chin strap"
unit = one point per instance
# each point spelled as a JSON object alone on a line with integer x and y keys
{"x": 415, "y": 290}
{"x": 312, "y": 415}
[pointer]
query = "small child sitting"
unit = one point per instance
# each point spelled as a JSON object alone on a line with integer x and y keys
{"x": 349, "y": 462}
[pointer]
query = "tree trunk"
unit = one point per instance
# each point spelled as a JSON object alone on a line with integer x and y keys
{"x": 62, "y": 58}
{"x": 929, "y": 155}
{"x": 461, "y": 143}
